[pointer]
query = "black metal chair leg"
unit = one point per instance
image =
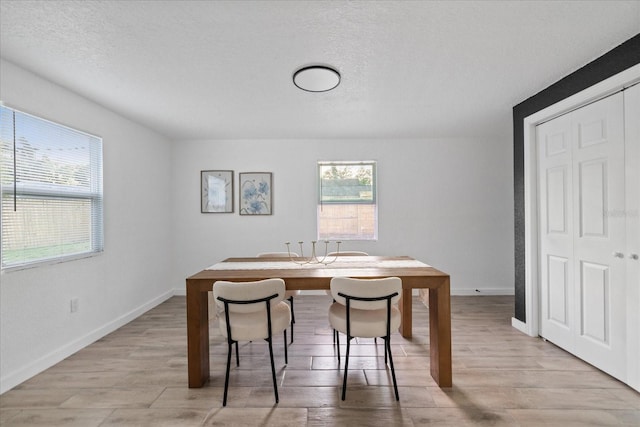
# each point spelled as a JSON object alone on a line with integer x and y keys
{"x": 286, "y": 361}
{"x": 393, "y": 371}
{"x": 335, "y": 332}
{"x": 273, "y": 370}
{"x": 338, "y": 345}
{"x": 293, "y": 317}
{"x": 226, "y": 377}
{"x": 237, "y": 355}
{"x": 346, "y": 367}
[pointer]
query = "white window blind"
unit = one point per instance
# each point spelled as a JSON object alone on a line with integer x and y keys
{"x": 51, "y": 183}
{"x": 347, "y": 201}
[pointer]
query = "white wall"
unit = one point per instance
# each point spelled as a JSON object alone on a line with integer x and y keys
{"x": 132, "y": 275}
{"x": 447, "y": 202}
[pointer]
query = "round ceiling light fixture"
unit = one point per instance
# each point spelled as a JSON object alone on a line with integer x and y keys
{"x": 316, "y": 78}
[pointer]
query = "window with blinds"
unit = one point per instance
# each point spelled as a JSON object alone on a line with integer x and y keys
{"x": 51, "y": 184}
{"x": 347, "y": 201}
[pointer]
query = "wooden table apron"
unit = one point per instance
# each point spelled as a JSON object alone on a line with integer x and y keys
{"x": 200, "y": 284}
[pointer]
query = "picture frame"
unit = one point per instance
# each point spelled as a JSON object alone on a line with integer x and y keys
{"x": 256, "y": 193}
{"x": 216, "y": 191}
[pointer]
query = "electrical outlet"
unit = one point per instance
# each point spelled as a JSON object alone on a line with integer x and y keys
{"x": 74, "y": 305}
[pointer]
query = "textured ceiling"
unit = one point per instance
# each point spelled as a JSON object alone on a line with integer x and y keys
{"x": 218, "y": 69}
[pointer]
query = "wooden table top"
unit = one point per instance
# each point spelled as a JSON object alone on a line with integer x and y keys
{"x": 317, "y": 276}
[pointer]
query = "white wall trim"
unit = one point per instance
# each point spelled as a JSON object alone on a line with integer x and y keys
{"x": 519, "y": 325}
{"x": 12, "y": 379}
{"x": 626, "y": 78}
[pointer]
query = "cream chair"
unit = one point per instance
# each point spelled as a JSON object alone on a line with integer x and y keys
{"x": 343, "y": 253}
{"x": 366, "y": 308}
{"x": 291, "y": 293}
{"x": 348, "y": 253}
{"x": 251, "y": 311}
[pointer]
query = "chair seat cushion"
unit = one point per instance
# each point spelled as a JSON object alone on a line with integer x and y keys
{"x": 364, "y": 323}
{"x": 253, "y": 326}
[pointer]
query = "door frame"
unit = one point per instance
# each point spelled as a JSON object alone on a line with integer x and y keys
{"x": 613, "y": 84}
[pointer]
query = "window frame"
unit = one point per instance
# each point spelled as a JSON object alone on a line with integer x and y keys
{"x": 57, "y": 193}
{"x": 355, "y": 202}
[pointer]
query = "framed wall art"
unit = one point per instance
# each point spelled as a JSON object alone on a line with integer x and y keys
{"x": 256, "y": 193}
{"x": 216, "y": 191}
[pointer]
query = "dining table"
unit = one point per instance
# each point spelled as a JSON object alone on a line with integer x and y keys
{"x": 307, "y": 274}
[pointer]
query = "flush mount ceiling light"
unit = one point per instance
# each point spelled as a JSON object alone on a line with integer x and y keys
{"x": 316, "y": 78}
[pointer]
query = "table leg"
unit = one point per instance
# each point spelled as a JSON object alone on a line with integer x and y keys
{"x": 197, "y": 336}
{"x": 405, "y": 306}
{"x": 440, "y": 334}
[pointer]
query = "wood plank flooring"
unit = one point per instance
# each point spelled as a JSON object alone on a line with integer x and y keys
{"x": 137, "y": 376}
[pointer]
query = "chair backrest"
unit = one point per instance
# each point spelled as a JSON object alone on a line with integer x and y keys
{"x": 348, "y": 253}
{"x": 247, "y": 291}
{"x": 366, "y": 288}
{"x": 277, "y": 255}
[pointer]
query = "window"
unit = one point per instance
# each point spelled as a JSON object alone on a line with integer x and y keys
{"x": 347, "y": 202}
{"x": 51, "y": 184}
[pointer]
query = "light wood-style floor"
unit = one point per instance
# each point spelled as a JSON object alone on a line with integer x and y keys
{"x": 137, "y": 376}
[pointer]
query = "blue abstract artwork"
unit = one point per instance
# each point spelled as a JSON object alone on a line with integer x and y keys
{"x": 256, "y": 193}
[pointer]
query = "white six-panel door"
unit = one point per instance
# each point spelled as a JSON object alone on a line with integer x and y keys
{"x": 556, "y": 230}
{"x": 581, "y": 172}
{"x": 632, "y": 216}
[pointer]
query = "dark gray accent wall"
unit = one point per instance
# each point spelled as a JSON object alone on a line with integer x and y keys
{"x": 611, "y": 63}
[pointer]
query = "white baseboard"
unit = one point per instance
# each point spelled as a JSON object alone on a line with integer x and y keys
{"x": 12, "y": 379}
{"x": 519, "y": 325}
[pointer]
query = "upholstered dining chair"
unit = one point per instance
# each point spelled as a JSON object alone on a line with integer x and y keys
{"x": 348, "y": 253}
{"x": 366, "y": 308}
{"x": 290, "y": 293}
{"x": 343, "y": 253}
{"x": 252, "y": 311}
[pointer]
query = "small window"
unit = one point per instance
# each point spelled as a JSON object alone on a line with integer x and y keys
{"x": 347, "y": 201}
{"x": 51, "y": 184}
